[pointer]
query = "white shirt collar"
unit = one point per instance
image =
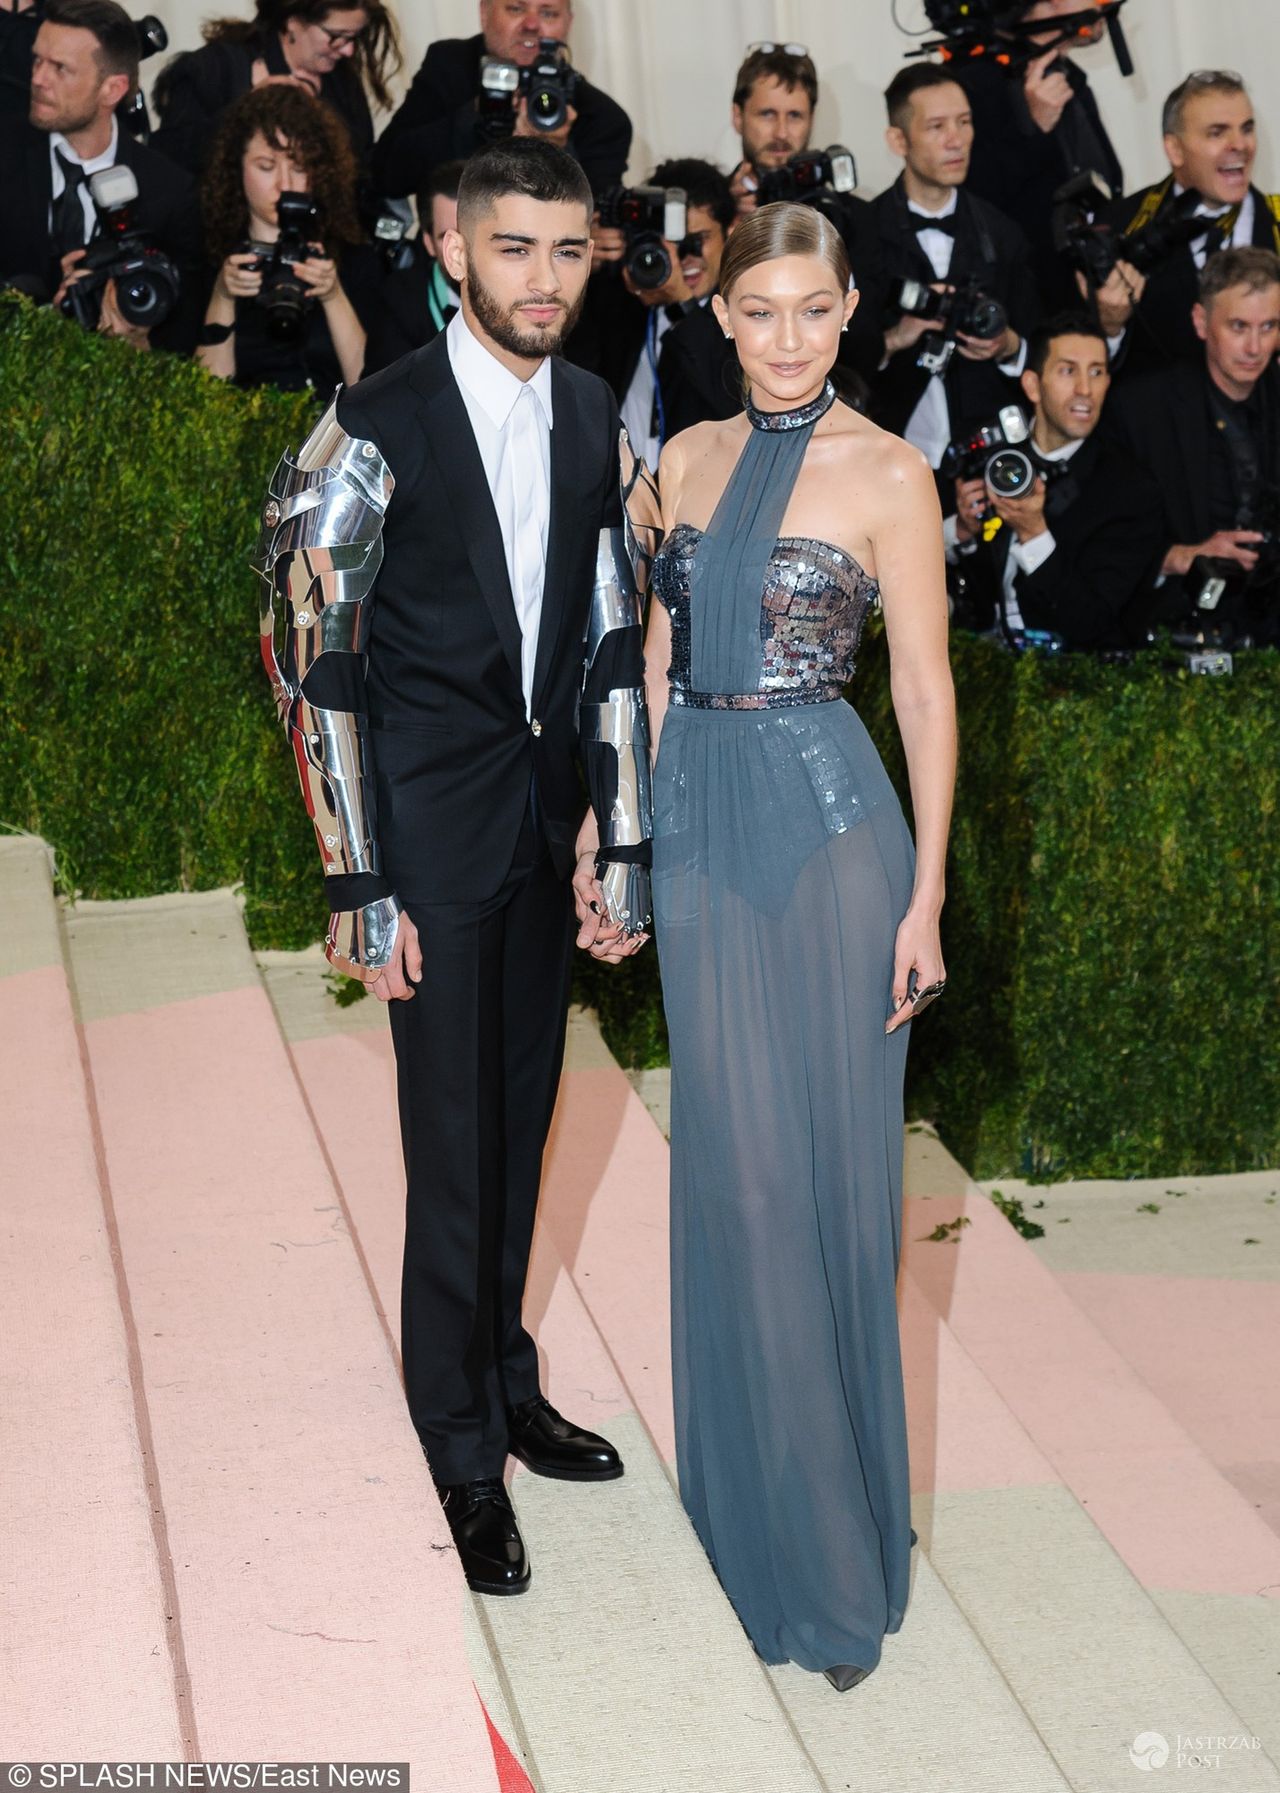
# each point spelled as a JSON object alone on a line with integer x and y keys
{"x": 493, "y": 387}
{"x": 946, "y": 211}
{"x": 95, "y": 164}
{"x": 1059, "y": 454}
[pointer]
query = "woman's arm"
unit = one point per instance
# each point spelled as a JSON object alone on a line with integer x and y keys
{"x": 910, "y": 569}
{"x": 346, "y": 332}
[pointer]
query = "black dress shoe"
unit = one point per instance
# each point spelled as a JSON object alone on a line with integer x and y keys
{"x": 545, "y": 1441}
{"x": 485, "y": 1531}
{"x": 844, "y": 1676}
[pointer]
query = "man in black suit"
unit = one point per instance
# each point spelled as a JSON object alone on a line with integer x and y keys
{"x": 1208, "y": 433}
{"x": 415, "y": 303}
{"x": 470, "y": 483}
{"x": 1076, "y": 554}
{"x": 438, "y": 118}
{"x": 1033, "y": 130}
{"x": 775, "y": 95}
{"x": 85, "y": 64}
{"x": 1211, "y": 140}
{"x": 933, "y": 231}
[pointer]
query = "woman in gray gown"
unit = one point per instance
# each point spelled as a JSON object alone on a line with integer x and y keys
{"x": 795, "y": 922}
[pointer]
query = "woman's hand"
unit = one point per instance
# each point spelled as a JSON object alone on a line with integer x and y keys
{"x": 918, "y": 947}
{"x": 319, "y": 274}
{"x": 595, "y": 933}
{"x": 239, "y": 277}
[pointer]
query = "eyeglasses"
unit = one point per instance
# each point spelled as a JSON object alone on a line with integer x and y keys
{"x": 768, "y": 49}
{"x": 337, "y": 38}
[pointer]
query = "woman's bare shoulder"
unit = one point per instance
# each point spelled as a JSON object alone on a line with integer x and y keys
{"x": 880, "y": 454}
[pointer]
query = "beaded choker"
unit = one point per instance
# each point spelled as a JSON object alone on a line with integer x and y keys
{"x": 799, "y": 419}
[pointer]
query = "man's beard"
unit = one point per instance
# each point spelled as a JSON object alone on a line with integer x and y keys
{"x": 501, "y": 324}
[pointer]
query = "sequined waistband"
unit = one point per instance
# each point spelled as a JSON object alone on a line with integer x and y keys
{"x": 683, "y": 698}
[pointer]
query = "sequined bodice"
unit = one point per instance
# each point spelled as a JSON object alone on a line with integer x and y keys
{"x": 812, "y": 610}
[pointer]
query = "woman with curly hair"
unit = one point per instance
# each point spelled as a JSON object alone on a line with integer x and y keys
{"x": 343, "y": 54}
{"x": 278, "y": 140}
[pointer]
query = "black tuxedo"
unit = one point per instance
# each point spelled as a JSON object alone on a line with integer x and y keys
{"x": 437, "y": 120}
{"x": 1093, "y": 590}
{"x": 986, "y": 245}
{"x": 196, "y": 87}
{"x": 1161, "y": 332}
{"x": 166, "y": 213}
{"x": 477, "y": 812}
{"x": 402, "y": 320}
{"x": 1017, "y": 167}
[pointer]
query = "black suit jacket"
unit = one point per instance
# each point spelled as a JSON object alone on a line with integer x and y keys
{"x": 1094, "y": 589}
{"x": 1017, "y": 167}
{"x": 437, "y": 121}
{"x": 167, "y": 214}
{"x": 17, "y": 38}
{"x": 453, "y": 752}
{"x": 197, "y": 86}
{"x": 402, "y": 319}
{"x": 1161, "y": 332}
{"x": 987, "y": 245}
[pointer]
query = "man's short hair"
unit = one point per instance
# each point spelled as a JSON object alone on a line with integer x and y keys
{"x": 1254, "y": 269}
{"x": 115, "y": 31}
{"x": 908, "y": 82}
{"x": 1201, "y": 80}
{"x": 520, "y": 165}
{"x": 1064, "y": 323}
{"x": 441, "y": 183}
{"x": 704, "y": 185}
{"x": 775, "y": 65}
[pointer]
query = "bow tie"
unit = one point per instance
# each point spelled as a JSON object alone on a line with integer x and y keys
{"x": 946, "y": 225}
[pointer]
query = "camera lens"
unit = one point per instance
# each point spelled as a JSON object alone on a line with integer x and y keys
{"x": 1009, "y": 474}
{"x": 648, "y": 263}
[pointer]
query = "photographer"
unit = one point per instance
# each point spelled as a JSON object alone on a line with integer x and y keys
{"x": 85, "y": 65}
{"x": 775, "y": 94}
{"x": 1035, "y": 128}
{"x": 284, "y": 313}
{"x": 19, "y": 22}
{"x": 935, "y": 233}
{"x": 1209, "y": 434}
{"x": 415, "y": 303}
{"x": 343, "y": 54}
{"x": 439, "y": 118}
{"x": 1075, "y": 552}
{"x": 1211, "y": 141}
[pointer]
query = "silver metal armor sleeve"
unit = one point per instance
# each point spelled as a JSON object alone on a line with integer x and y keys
{"x": 614, "y": 716}
{"x": 318, "y": 554}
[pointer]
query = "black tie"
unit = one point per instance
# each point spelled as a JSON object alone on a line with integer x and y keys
{"x": 68, "y": 212}
{"x": 946, "y": 225}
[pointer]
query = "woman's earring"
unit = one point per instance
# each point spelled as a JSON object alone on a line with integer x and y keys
{"x": 843, "y": 328}
{"x": 728, "y": 335}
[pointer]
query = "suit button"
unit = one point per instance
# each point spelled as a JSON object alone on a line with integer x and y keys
{"x": 536, "y": 726}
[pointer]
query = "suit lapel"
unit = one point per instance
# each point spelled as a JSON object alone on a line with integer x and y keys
{"x": 564, "y": 469}
{"x": 457, "y": 458}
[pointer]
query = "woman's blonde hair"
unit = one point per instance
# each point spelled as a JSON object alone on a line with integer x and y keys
{"x": 782, "y": 229}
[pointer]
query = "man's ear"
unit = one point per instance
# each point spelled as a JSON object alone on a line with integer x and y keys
{"x": 430, "y": 245}
{"x": 1030, "y": 383}
{"x": 1200, "y": 320}
{"x": 735, "y": 114}
{"x": 896, "y": 138}
{"x": 1174, "y": 150}
{"x": 453, "y": 252}
{"x": 114, "y": 89}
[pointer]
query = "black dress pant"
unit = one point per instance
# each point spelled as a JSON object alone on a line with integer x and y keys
{"x": 479, "y": 1051}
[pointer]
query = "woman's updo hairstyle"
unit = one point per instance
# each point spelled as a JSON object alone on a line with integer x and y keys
{"x": 782, "y": 229}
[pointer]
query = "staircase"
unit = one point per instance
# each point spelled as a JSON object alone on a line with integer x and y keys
{"x": 224, "y": 1540}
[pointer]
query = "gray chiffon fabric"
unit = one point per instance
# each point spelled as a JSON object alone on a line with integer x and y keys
{"x": 782, "y": 867}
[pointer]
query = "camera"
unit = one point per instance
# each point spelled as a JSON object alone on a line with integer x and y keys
{"x": 282, "y": 295}
{"x": 808, "y": 177}
{"x": 549, "y": 85}
{"x": 147, "y": 282}
{"x": 394, "y": 235}
{"x": 1095, "y": 248}
{"x": 649, "y": 217}
{"x": 963, "y": 310}
{"x": 1218, "y": 586}
{"x": 971, "y": 29}
{"x": 132, "y": 113}
{"x": 993, "y": 454}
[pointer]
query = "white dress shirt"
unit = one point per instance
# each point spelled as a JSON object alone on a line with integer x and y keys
{"x": 929, "y": 426}
{"x": 637, "y": 407}
{"x": 95, "y": 165}
{"x": 512, "y": 420}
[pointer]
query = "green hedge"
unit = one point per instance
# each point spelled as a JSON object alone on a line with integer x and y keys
{"x": 1110, "y": 929}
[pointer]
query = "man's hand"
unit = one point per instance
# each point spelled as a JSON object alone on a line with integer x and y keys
{"x": 1227, "y": 544}
{"x": 908, "y": 330}
{"x": 112, "y": 322}
{"x": 1048, "y": 94}
{"x": 1025, "y": 516}
{"x": 610, "y": 243}
{"x": 560, "y": 136}
{"x": 990, "y": 348}
{"x": 1118, "y": 297}
{"x": 395, "y": 984}
{"x": 595, "y": 934}
{"x": 71, "y": 272}
{"x": 742, "y": 184}
{"x": 971, "y": 502}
